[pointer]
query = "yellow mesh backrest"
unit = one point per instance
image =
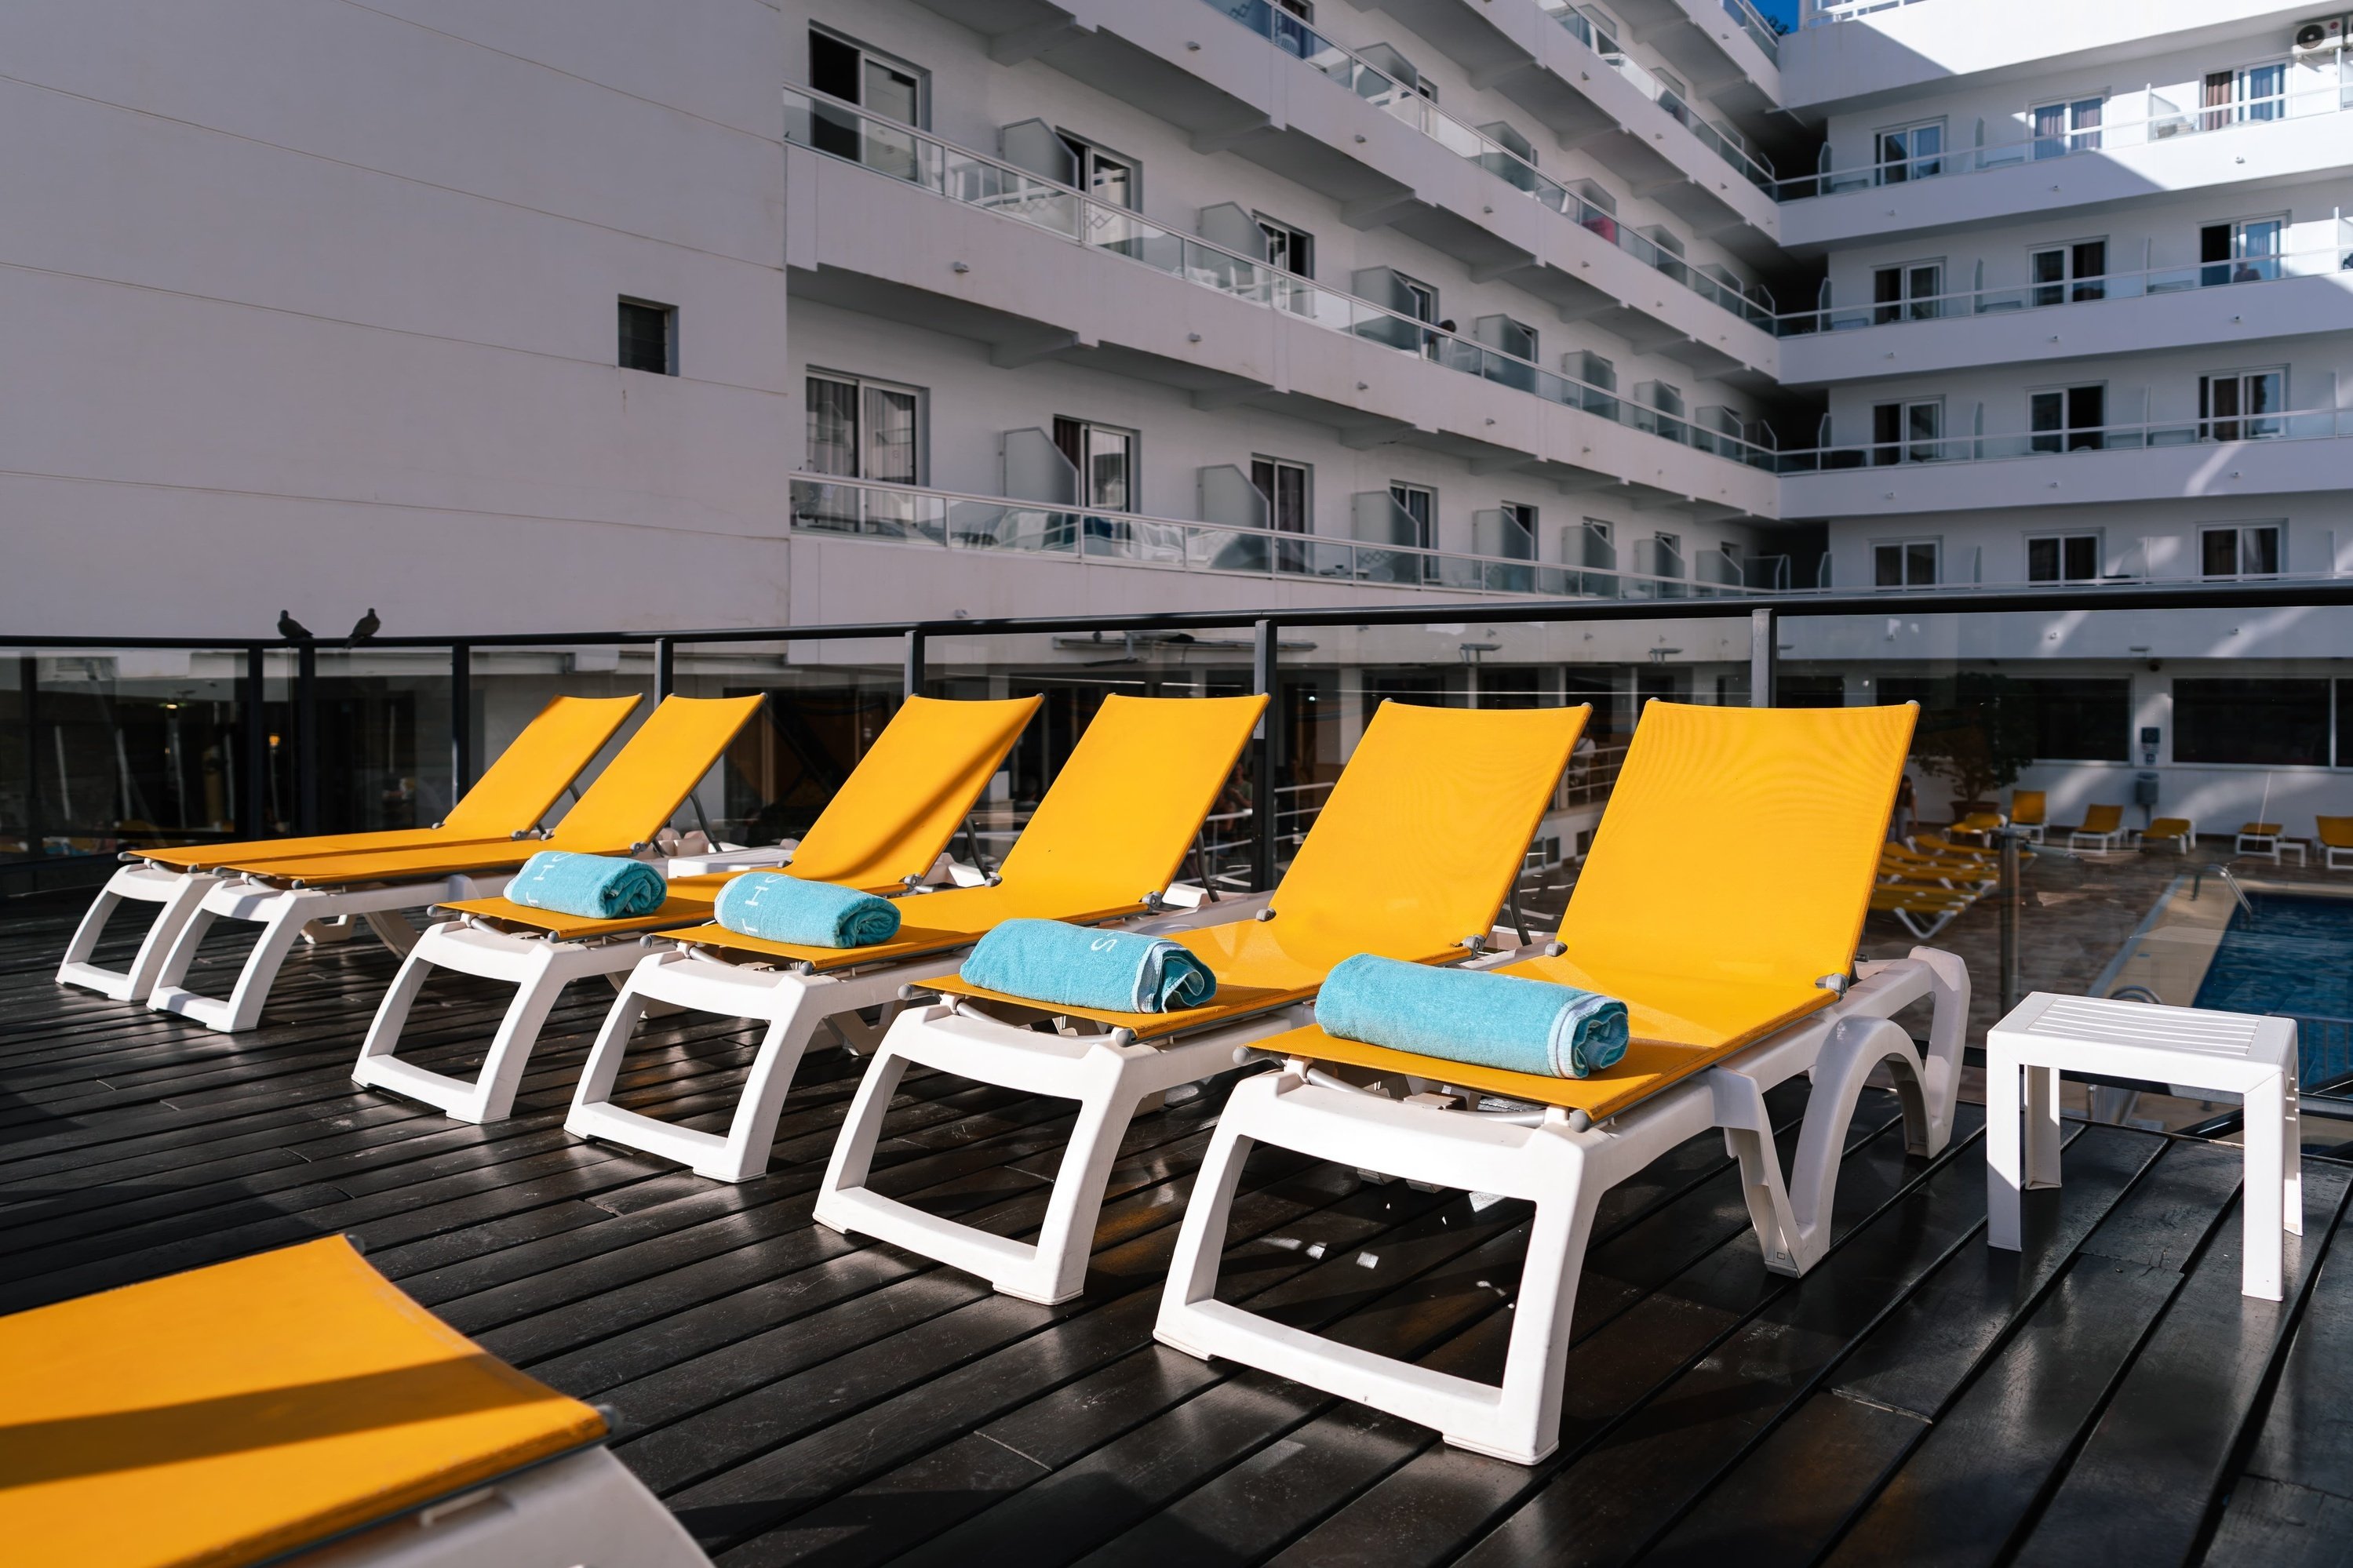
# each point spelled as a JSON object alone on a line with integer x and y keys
{"x": 516, "y": 791}
{"x": 1126, "y": 806}
{"x": 2336, "y": 832}
{"x": 654, "y": 772}
{"x": 1427, "y": 825}
{"x": 899, "y": 806}
{"x": 2102, "y": 819}
{"x": 2026, "y": 807}
{"x": 1739, "y": 842}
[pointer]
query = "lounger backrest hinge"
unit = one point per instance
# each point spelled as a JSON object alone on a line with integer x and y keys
{"x": 1836, "y": 984}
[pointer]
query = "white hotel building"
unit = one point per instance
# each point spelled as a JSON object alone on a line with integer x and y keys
{"x": 571, "y": 313}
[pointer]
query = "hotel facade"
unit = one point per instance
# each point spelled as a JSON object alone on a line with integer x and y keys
{"x": 725, "y": 314}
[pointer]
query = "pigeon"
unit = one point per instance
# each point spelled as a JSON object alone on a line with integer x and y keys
{"x": 291, "y": 629}
{"x": 363, "y": 629}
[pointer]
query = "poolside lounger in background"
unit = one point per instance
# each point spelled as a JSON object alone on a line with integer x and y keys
{"x": 505, "y": 803}
{"x": 2102, "y": 827}
{"x": 884, "y": 829}
{"x": 2026, "y": 814}
{"x": 1411, "y": 857}
{"x": 1923, "y": 911}
{"x": 2179, "y": 831}
{"x": 251, "y": 1411}
{"x": 620, "y": 814}
{"x": 1104, "y": 844}
{"x": 2336, "y": 835}
{"x": 1731, "y": 946}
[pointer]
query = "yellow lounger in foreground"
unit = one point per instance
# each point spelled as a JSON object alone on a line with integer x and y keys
{"x": 1731, "y": 947}
{"x": 620, "y": 814}
{"x": 242, "y": 1412}
{"x": 884, "y": 827}
{"x": 1411, "y": 857}
{"x": 506, "y": 803}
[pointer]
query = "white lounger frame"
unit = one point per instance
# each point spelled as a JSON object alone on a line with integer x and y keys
{"x": 1563, "y": 1164}
{"x": 2077, "y": 838}
{"x": 792, "y": 1003}
{"x": 144, "y": 882}
{"x": 282, "y": 912}
{"x": 580, "y": 1508}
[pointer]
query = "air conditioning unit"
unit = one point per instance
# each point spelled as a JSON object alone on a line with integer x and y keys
{"x": 2324, "y": 35}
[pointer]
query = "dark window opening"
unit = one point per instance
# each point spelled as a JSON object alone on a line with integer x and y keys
{"x": 2269, "y": 721}
{"x": 648, "y": 337}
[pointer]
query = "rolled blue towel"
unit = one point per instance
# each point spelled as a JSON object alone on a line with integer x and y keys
{"x": 1467, "y": 1015}
{"x": 600, "y": 887}
{"x": 778, "y": 907}
{"x": 1079, "y": 966}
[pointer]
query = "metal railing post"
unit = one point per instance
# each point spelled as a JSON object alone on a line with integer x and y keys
{"x": 30, "y": 683}
{"x": 1264, "y": 806}
{"x": 306, "y": 738}
{"x": 1761, "y": 654}
{"x": 255, "y": 790}
{"x": 461, "y": 719}
{"x": 665, "y": 668}
{"x": 2013, "y": 905}
{"x": 911, "y": 678}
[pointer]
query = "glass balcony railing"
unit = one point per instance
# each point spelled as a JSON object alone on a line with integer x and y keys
{"x": 2042, "y": 295}
{"x": 2161, "y": 119}
{"x": 2262, "y": 424}
{"x": 1760, "y": 31}
{"x": 1399, "y": 101}
{"x": 1594, "y": 33}
{"x": 824, "y": 504}
{"x": 974, "y": 179}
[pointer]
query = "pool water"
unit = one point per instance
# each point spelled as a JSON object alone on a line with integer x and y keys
{"x": 2295, "y": 956}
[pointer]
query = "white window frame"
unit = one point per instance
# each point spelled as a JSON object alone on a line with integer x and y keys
{"x": 1906, "y": 445}
{"x": 1911, "y": 161}
{"x": 2060, "y": 537}
{"x": 1936, "y": 546}
{"x": 861, "y": 386}
{"x": 2064, "y": 432}
{"x": 2069, "y": 140}
{"x": 884, "y": 58}
{"x": 2278, "y": 527}
{"x": 2071, "y": 287}
{"x": 1084, "y": 151}
{"x": 2276, "y": 419}
{"x": 1908, "y": 304}
{"x": 1401, "y": 489}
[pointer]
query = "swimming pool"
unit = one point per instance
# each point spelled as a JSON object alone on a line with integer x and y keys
{"x": 2295, "y": 956}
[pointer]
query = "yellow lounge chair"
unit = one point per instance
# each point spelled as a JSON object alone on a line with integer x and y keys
{"x": 507, "y": 802}
{"x": 619, "y": 815}
{"x": 1415, "y": 848}
{"x": 1731, "y": 947}
{"x": 2026, "y": 813}
{"x": 1104, "y": 844}
{"x": 255, "y": 1410}
{"x": 1921, "y": 910}
{"x": 2335, "y": 835}
{"x": 2179, "y": 831}
{"x": 884, "y": 829}
{"x": 2102, "y": 827}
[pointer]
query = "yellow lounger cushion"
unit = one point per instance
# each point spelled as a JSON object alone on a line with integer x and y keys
{"x": 2336, "y": 832}
{"x": 228, "y": 1415}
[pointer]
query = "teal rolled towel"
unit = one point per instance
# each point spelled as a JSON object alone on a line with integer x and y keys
{"x": 1079, "y": 966}
{"x": 1468, "y": 1015}
{"x": 598, "y": 887}
{"x": 777, "y": 908}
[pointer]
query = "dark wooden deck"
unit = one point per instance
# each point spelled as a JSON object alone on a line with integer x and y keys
{"x": 2107, "y": 1397}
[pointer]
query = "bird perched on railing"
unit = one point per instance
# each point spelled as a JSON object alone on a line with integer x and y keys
{"x": 291, "y": 629}
{"x": 363, "y": 628}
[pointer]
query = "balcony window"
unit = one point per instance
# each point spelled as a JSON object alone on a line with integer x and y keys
{"x": 2064, "y": 128}
{"x": 1910, "y": 153}
{"x": 1904, "y": 564}
{"x": 1109, "y": 177}
{"x": 2247, "y": 251}
{"x": 1906, "y": 293}
{"x": 1419, "y": 505}
{"x": 2063, "y": 274}
{"x": 2068, "y": 418}
{"x": 2250, "y": 92}
{"x": 1290, "y": 250}
{"x": 1907, "y": 431}
{"x": 1105, "y": 457}
{"x": 2243, "y": 406}
{"x": 863, "y": 430}
{"x": 886, "y": 87}
{"x": 2063, "y": 558}
{"x": 2239, "y": 549}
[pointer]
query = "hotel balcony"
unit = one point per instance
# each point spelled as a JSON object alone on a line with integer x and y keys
{"x": 900, "y": 223}
{"x": 2304, "y": 451}
{"x": 2248, "y": 302}
{"x": 2148, "y": 145}
{"x": 1246, "y": 79}
{"x": 1726, "y": 48}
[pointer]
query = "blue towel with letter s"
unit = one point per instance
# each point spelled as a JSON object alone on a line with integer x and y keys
{"x": 597, "y": 887}
{"x": 1466, "y": 1015}
{"x": 1079, "y": 966}
{"x": 777, "y": 908}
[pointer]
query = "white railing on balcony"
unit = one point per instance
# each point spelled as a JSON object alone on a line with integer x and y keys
{"x": 1760, "y": 31}
{"x": 1823, "y": 15}
{"x": 2136, "y": 285}
{"x": 974, "y": 179}
{"x": 2161, "y": 119}
{"x": 2298, "y": 425}
{"x": 827, "y": 505}
{"x": 1400, "y": 102}
{"x": 1593, "y": 31}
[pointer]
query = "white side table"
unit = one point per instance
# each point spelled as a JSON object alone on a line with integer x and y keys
{"x": 2235, "y": 1053}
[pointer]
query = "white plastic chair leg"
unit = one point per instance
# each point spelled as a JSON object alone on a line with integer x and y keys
{"x": 281, "y": 928}
{"x": 2265, "y": 1211}
{"x": 178, "y": 894}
